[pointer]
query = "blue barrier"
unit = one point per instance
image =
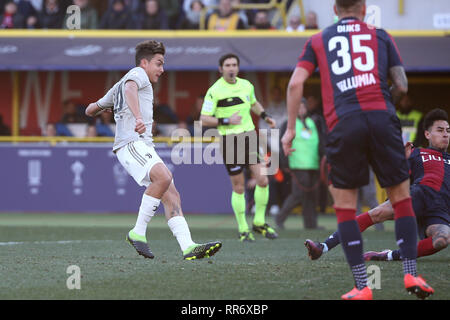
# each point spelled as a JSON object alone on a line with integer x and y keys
{"x": 82, "y": 177}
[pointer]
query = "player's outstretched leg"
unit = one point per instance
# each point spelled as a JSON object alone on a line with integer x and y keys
{"x": 316, "y": 249}
{"x": 180, "y": 229}
{"x": 140, "y": 244}
{"x": 385, "y": 255}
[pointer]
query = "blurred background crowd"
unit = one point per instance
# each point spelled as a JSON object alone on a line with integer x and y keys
{"x": 219, "y": 15}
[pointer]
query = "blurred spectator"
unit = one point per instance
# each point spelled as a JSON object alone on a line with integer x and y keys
{"x": 191, "y": 19}
{"x": 26, "y": 9}
{"x": 2, "y": 5}
{"x": 242, "y": 14}
{"x": 153, "y": 17}
{"x": 163, "y": 114}
{"x": 225, "y": 18}
{"x": 277, "y": 110}
{"x": 195, "y": 115}
{"x": 118, "y": 17}
{"x": 295, "y": 24}
{"x": 50, "y": 130}
{"x": 72, "y": 113}
{"x": 311, "y": 21}
{"x": 104, "y": 124}
{"x": 4, "y": 129}
{"x": 304, "y": 164}
{"x": 91, "y": 131}
{"x": 32, "y": 22}
{"x": 11, "y": 18}
{"x": 52, "y": 15}
{"x": 172, "y": 9}
{"x": 132, "y": 5}
{"x": 314, "y": 106}
{"x": 411, "y": 121}
{"x": 206, "y": 3}
{"x": 89, "y": 16}
{"x": 262, "y": 21}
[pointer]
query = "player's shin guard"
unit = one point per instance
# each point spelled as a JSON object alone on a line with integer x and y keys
{"x": 238, "y": 205}
{"x": 146, "y": 212}
{"x": 351, "y": 240}
{"x": 261, "y": 199}
{"x": 406, "y": 234}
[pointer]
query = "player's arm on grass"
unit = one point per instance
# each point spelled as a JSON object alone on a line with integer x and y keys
{"x": 259, "y": 110}
{"x": 294, "y": 97}
{"x": 131, "y": 97}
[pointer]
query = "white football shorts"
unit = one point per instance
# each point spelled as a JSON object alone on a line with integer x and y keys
{"x": 138, "y": 159}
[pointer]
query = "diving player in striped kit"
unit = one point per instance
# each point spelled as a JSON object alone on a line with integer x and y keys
{"x": 131, "y": 99}
{"x": 430, "y": 194}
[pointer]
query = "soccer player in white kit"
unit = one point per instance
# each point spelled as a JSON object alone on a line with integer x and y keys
{"x": 131, "y": 99}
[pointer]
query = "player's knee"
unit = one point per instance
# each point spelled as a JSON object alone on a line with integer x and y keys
{"x": 262, "y": 181}
{"x": 238, "y": 188}
{"x": 163, "y": 179}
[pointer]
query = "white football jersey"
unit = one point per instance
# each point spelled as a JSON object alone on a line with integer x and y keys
{"x": 125, "y": 120}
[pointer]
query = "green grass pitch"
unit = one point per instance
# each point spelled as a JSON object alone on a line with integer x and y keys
{"x": 36, "y": 250}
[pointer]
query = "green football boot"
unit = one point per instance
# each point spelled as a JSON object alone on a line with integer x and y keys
{"x": 140, "y": 244}
{"x": 246, "y": 237}
{"x": 266, "y": 231}
{"x": 200, "y": 251}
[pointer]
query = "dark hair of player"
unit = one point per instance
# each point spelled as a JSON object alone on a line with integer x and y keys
{"x": 432, "y": 116}
{"x": 348, "y": 4}
{"x": 147, "y": 49}
{"x": 228, "y": 56}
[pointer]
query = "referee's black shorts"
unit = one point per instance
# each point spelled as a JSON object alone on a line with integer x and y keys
{"x": 239, "y": 151}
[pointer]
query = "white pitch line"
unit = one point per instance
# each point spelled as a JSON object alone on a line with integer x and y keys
{"x": 13, "y": 243}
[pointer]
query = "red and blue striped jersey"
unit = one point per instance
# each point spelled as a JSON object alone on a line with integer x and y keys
{"x": 354, "y": 61}
{"x": 431, "y": 167}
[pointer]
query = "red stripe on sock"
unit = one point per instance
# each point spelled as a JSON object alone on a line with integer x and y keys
{"x": 403, "y": 208}
{"x": 364, "y": 221}
{"x": 425, "y": 247}
{"x": 343, "y": 215}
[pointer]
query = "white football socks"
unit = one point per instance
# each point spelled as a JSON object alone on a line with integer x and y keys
{"x": 180, "y": 230}
{"x": 146, "y": 212}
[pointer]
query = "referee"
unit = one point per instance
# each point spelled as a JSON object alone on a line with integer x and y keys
{"x": 227, "y": 106}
